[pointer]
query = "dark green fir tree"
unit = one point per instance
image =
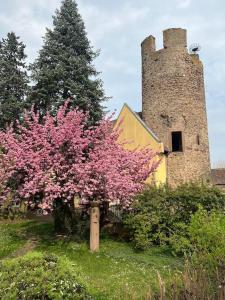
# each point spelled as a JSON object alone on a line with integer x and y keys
{"x": 64, "y": 68}
{"x": 13, "y": 79}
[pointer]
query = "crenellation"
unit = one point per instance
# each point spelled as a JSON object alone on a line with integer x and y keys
{"x": 174, "y": 38}
{"x": 148, "y": 45}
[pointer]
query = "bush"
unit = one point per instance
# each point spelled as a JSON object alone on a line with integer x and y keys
{"x": 38, "y": 277}
{"x": 204, "y": 239}
{"x": 159, "y": 213}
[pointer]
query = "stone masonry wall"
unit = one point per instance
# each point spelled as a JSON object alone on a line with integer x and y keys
{"x": 173, "y": 99}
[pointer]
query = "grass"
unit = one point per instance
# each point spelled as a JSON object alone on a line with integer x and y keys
{"x": 11, "y": 238}
{"x": 116, "y": 272}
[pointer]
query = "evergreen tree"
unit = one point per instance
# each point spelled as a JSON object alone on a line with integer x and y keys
{"x": 64, "y": 66}
{"x": 13, "y": 79}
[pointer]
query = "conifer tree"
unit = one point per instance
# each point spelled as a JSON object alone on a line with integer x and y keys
{"x": 64, "y": 66}
{"x": 13, "y": 79}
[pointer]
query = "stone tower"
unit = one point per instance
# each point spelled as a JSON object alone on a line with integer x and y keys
{"x": 173, "y": 105}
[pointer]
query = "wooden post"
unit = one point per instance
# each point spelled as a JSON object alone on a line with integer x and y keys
{"x": 94, "y": 226}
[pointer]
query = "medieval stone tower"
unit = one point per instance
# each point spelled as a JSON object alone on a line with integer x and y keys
{"x": 174, "y": 106}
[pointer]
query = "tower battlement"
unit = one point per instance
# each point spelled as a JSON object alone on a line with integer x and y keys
{"x": 173, "y": 39}
{"x": 148, "y": 44}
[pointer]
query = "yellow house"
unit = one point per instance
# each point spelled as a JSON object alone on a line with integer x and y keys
{"x": 134, "y": 130}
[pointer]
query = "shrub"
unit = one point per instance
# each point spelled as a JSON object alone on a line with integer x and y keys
{"x": 159, "y": 213}
{"x": 38, "y": 277}
{"x": 204, "y": 239}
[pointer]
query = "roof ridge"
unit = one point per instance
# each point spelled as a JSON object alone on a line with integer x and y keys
{"x": 143, "y": 123}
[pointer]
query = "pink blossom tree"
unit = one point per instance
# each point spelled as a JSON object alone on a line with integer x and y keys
{"x": 60, "y": 158}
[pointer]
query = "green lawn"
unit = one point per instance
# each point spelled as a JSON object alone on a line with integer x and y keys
{"x": 116, "y": 272}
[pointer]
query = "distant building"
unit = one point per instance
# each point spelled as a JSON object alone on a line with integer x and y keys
{"x": 218, "y": 178}
{"x": 173, "y": 120}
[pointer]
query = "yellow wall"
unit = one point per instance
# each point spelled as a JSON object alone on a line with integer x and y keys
{"x": 135, "y": 131}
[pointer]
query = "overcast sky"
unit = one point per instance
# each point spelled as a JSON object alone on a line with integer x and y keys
{"x": 118, "y": 27}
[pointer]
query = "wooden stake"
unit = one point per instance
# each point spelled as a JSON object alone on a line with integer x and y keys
{"x": 94, "y": 226}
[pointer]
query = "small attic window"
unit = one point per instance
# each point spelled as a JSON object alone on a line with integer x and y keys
{"x": 177, "y": 145}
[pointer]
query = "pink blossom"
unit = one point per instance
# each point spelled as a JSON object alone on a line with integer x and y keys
{"x": 61, "y": 158}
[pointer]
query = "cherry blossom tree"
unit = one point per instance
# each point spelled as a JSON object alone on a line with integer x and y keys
{"x": 60, "y": 158}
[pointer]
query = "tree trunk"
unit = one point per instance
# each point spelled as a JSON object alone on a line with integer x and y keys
{"x": 58, "y": 216}
{"x": 94, "y": 226}
{"x": 104, "y": 214}
{"x": 63, "y": 216}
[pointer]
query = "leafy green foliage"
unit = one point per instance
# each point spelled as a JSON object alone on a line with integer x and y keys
{"x": 38, "y": 277}
{"x": 139, "y": 229}
{"x": 204, "y": 238}
{"x": 64, "y": 67}
{"x": 159, "y": 213}
{"x": 13, "y": 79}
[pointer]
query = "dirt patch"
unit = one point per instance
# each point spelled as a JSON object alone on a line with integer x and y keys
{"x": 29, "y": 246}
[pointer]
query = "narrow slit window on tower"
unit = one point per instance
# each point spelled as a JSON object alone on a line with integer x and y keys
{"x": 177, "y": 145}
{"x": 198, "y": 139}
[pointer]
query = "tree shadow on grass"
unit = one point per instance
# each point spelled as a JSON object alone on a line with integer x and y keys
{"x": 48, "y": 240}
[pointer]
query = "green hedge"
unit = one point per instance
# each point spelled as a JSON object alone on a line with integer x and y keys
{"x": 204, "y": 239}
{"x": 159, "y": 213}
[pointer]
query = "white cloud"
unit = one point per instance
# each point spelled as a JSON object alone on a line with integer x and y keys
{"x": 184, "y": 3}
{"x": 101, "y": 21}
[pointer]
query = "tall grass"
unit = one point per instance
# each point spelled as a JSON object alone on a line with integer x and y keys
{"x": 194, "y": 283}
